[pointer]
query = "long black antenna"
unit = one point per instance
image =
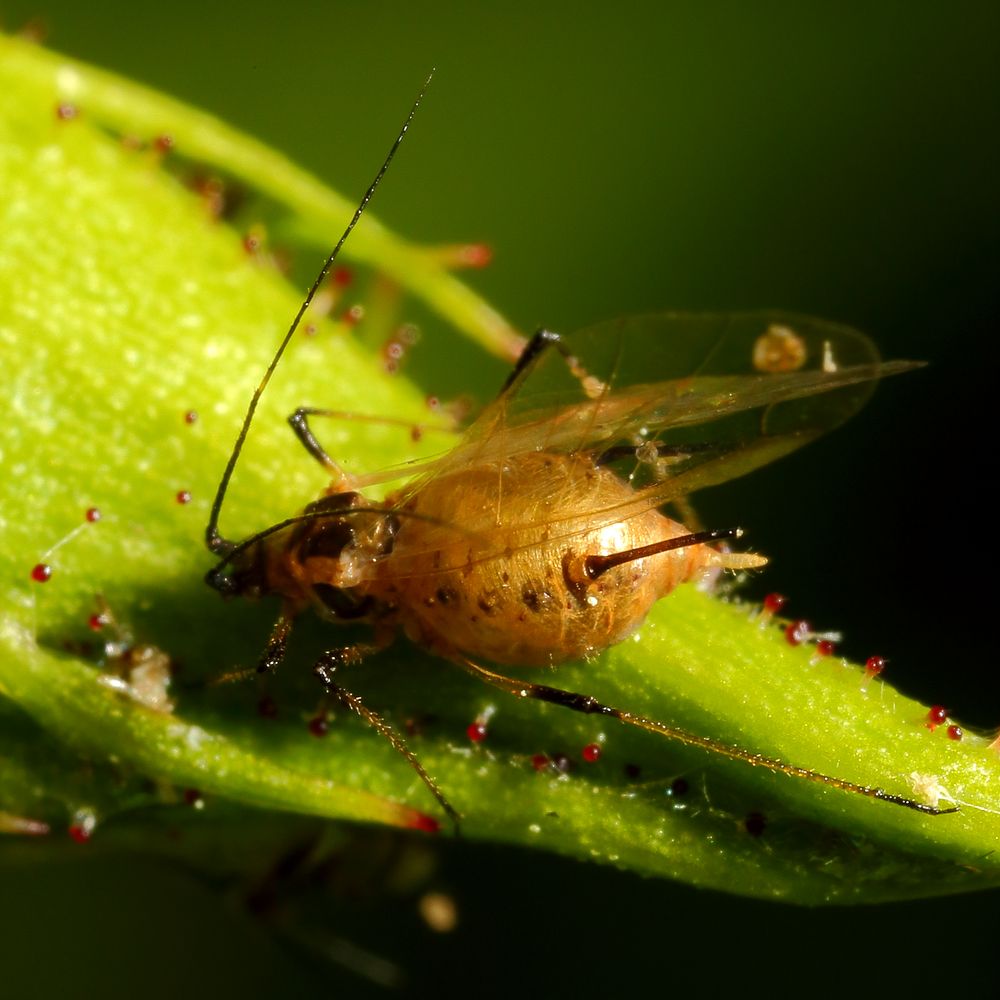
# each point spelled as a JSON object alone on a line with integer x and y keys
{"x": 215, "y": 542}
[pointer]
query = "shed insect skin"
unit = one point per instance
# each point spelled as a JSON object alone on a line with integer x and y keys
{"x": 522, "y": 546}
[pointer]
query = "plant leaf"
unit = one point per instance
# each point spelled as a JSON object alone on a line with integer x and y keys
{"x": 125, "y": 304}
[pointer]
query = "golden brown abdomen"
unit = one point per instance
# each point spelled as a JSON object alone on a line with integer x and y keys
{"x": 492, "y": 580}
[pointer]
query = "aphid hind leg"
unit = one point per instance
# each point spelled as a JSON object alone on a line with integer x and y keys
{"x": 326, "y": 668}
{"x": 660, "y": 461}
{"x": 591, "y": 706}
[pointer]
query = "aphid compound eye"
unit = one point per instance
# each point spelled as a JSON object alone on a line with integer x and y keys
{"x": 326, "y": 540}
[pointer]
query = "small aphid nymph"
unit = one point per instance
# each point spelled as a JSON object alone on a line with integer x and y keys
{"x": 541, "y": 537}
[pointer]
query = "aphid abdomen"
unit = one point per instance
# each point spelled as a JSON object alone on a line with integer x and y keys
{"x": 504, "y": 584}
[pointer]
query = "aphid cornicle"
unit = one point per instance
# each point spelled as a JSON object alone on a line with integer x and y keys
{"x": 540, "y": 537}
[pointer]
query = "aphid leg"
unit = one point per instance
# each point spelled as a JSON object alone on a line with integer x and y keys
{"x": 326, "y": 668}
{"x": 299, "y": 421}
{"x": 277, "y": 644}
{"x": 540, "y": 342}
{"x": 591, "y": 706}
{"x": 270, "y": 658}
{"x": 665, "y": 451}
{"x": 659, "y": 462}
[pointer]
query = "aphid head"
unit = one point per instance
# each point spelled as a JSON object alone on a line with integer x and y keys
{"x": 319, "y": 556}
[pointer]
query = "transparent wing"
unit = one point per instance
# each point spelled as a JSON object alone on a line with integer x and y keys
{"x": 667, "y": 371}
{"x": 678, "y": 378}
{"x": 676, "y": 402}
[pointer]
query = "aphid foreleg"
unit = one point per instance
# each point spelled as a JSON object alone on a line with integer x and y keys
{"x": 326, "y": 668}
{"x": 277, "y": 644}
{"x": 591, "y": 706}
{"x": 270, "y": 658}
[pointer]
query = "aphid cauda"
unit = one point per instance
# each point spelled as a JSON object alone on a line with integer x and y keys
{"x": 540, "y": 537}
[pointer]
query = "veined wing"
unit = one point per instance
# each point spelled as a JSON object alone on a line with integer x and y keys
{"x": 665, "y": 376}
{"x": 739, "y": 391}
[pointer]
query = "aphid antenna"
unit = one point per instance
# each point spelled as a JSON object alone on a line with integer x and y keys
{"x": 213, "y": 539}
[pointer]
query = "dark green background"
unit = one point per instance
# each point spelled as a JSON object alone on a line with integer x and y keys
{"x": 840, "y": 160}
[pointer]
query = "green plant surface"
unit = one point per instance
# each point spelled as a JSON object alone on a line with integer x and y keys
{"x": 124, "y": 305}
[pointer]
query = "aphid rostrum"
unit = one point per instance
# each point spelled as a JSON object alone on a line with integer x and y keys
{"x": 540, "y": 537}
